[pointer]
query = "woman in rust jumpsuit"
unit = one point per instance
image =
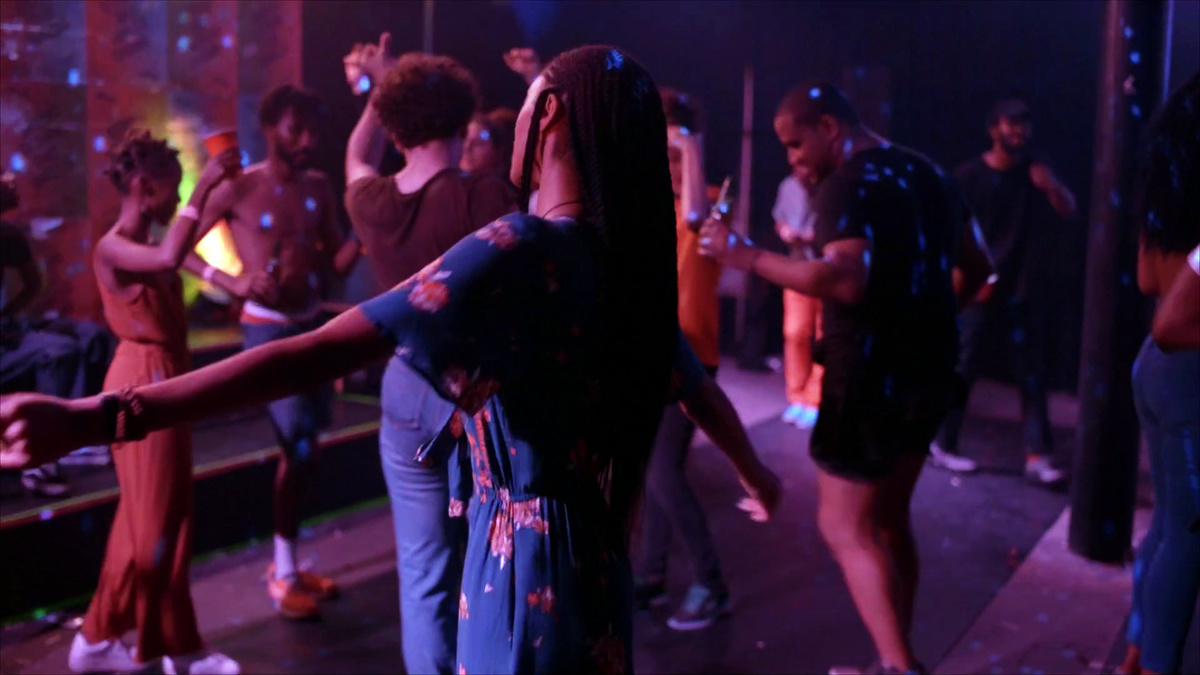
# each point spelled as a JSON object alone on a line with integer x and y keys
{"x": 144, "y": 583}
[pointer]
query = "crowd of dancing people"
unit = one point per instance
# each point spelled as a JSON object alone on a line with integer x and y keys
{"x": 550, "y": 337}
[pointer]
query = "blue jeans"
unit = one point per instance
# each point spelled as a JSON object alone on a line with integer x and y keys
{"x": 429, "y": 543}
{"x": 1166, "y": 575}
{"x": 670, "y": 504}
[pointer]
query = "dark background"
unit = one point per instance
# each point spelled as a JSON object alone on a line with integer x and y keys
{"x": 926, "y": 73}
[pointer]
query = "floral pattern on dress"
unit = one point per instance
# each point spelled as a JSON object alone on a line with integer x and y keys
{"x": 503, "y": 326}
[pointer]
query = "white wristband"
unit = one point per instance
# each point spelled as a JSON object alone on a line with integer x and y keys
{"x": 189, "y": 212}
{"x": 208, "y": 273}
{"x": 1194, "y": 260}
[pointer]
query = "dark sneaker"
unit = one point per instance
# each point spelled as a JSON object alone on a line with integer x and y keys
{"x": 647, "y": 593}
{"x": 45, "y": 481}
{"x": 700, "y": 609}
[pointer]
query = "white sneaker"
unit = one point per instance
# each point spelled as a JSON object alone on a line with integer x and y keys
{"x": 1039, "y": 470}
{"x": 807, "y": 418}
{"x": 109, "y": 656}
{"x": 200, "y": 663}
{"x": 949, "y": 461}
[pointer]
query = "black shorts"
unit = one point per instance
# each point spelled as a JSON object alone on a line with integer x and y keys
{"x": 864, "y": 426}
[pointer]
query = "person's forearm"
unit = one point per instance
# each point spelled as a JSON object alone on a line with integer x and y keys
{"x": 694, "y": 200}
{"x": 194, "y": 264}
{"x": 1177, "y": 318}
{"x": 346, "y": 256}
{"x": 181, "y": 235}
{"x": 366, "y": 144}
{"x": 1062, "y": 201}
{"x": 253, "y": 377}
{"x": 711, "y": 410}
{"x": 821, "y": 278}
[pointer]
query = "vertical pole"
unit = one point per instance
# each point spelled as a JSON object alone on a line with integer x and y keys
{"x": 1104, "y": 472}
{"x": 427, "y": 30}
{"x": 742, "y": 221}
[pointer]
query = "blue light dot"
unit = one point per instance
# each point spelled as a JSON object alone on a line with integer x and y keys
{"x": 1136, "y": 110}
{"x": 46, "y": 514}
{"x": 364, "y": 84}
{"x": 615, "y": 60}
{"x": 73, "y": 77}
{"x": 227, "y": 41}
{"x": 1128, "y": 32}
{"x": 310, "y": 204}
{"x": 815, "y": 92}
{"x": 183, "y": 43}
{"x": 245, "y": 158}
{"x": 485, "y": 135}
{"x": 99, "y": 144}
{"x": 17, "y": 162}
{"x": 1135, "y": 57}
{"x": 685, "y": 131}
{"x": 265, "y": 220}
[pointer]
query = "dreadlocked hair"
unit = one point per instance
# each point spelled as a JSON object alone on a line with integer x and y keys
{"x": 141, "y": 154}
{"x": 618, "y": 135}
{"x": 1166, "y": 205}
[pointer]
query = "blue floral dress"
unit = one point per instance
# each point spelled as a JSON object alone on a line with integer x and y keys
{"x": 503, "y": 325}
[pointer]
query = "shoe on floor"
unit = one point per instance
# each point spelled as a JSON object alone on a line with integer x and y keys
{"x": 792, "y": 412}
{"x": 323, "y": 587}
{"x": 92, "y": 455}
{"x": 700, "y": 609}
{"x": 807, "y": 418}
{"x": 109, "y": 656}
{"x": 1039, "y": 470}
{"x": 200, "y": 663}
{"x": 649, "y": 593}
{"x": 943, "y": 459}
{"x": 291, "y": 600}
{"x": 46, "y": 481}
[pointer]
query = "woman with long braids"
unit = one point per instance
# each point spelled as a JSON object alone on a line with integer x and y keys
{"x": 144, "y": 583}
{"x": 553, "y": 333}
{"x": 1166, "y": 390}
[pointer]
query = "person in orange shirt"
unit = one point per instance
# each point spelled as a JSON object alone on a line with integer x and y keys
{"x": 801, "y": 313}
{"x": 670, "y": 504}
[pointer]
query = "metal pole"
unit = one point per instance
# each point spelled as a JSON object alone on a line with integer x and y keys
{"x": 427, "y": 30}
{"x": 1115, "y": 321}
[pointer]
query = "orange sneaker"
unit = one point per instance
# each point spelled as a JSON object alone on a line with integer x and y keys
{"x": 323, "y": 587}
{"x": 291, "y": 600}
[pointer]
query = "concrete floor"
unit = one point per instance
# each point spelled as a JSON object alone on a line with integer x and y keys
{"x": 791, "y": 610}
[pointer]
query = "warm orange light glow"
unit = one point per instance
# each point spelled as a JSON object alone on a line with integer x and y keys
{"x": 217, "y": 250}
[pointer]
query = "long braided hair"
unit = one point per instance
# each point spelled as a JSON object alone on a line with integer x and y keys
{"x": 618, "y": 143}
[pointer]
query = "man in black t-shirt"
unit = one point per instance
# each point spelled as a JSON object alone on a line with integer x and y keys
{"x": 890, "y": 232}
{"x": 1017, "y": 199}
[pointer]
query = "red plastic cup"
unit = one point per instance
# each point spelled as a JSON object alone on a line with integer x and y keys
{"x": 221, "y": 141}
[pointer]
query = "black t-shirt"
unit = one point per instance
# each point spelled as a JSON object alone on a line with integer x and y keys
{"x": 15, "y": 252}
{"x": 1015, "y": 217}
{"x": 903, "y": 335}
{"x": 404, "y": 232}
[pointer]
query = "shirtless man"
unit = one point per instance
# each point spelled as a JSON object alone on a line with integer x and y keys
{"x": 283, "y": 218}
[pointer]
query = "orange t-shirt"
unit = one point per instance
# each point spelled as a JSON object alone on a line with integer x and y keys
{"x": 699, "y": 278}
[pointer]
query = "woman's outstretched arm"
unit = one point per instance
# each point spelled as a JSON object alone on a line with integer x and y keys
{"x": 34, "y": 427}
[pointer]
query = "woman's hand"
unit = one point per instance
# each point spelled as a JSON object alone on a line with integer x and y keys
{"x": 764, "y": 491}
{"x": 257, "y": 286}
{"x": 36, "y": 429}
{"x": 227, "y": 164}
